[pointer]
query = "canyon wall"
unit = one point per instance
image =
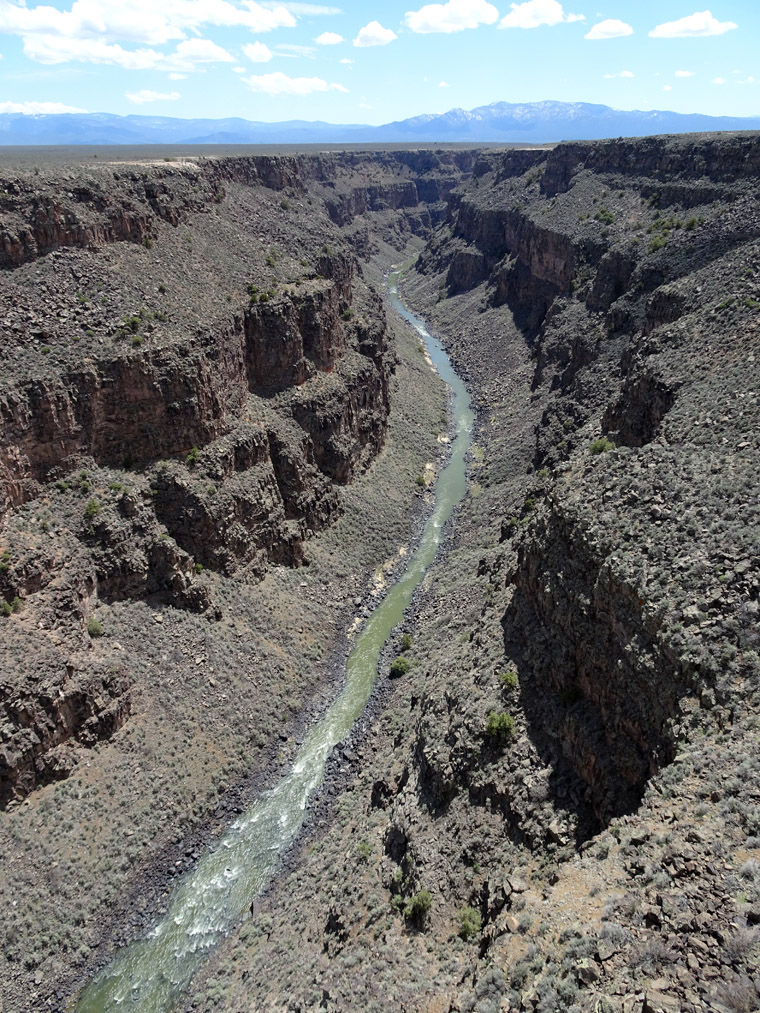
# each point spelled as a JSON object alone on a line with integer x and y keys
{"x": 557, "y": 807}
{"x": 178, "y": 417}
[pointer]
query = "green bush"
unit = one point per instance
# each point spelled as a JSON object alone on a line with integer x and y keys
{"x": 601, "y": 446}
{"x": 500, "y": 726}
{"x": 509, "y": 680}
{"x": 400, "y": 666}
{"x": 364, "y": 851}
{"x": 92, "y": 509}
{"x": 418, "y": 906}
{"x": 406, "y": 642}
{"x": 470, "y": 923}
{"x": 193, "y": 456}
{"x": 6, "y": 609}
{"x": 94, "y": 628}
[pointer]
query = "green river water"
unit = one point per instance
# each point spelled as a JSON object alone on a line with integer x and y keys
{"x": 151, "y": 974}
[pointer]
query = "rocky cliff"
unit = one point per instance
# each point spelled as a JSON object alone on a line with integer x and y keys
{"x": 558, "y": 807}
{"x": 192, "y": 373}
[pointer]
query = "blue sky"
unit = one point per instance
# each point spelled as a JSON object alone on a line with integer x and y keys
{"x": 363, "y": 61}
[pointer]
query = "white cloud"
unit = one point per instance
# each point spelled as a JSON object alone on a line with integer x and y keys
{"x": 612, "y": 28}
{"x": 444, "y": 84}
{"x": 192, "y": 52}
{"x": 257, "y": 52}
{"x": 139, "y": 21}
{"x": 240, "y": 70}
{"x": 374, "y": 34}
{"x": 534, "y": 13}
{"x": 700, "y": 24}
{"x": 346, "y": 60}
{"x": 747, "y": 80}
{"x": 38, "y": 108}
{"x": 177, "y": 77}
{"x": 668, "y": 87}
{"x": 623, "y": 73}
{"x": 329, "y": 39}
{"x": 684, "y": 73}
{"x": 454, "y": 16}
{"x": 293, "y": 50}
{"x": 719, "y": 80}
{"x": 188, "y": 55}
{"x": 309, "y": 10}
{"x": 280, "y": 84}
{"x": 146, "y": 95}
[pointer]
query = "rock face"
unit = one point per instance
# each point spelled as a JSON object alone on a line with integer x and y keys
{"x": 566, "y": 777}
{"x": 41, "y": 724}
{"x": 590, "y": 249}
{"x": 179, "y": 412}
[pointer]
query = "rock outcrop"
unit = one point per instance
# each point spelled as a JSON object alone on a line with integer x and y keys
{"x": 208, "y": 434}
{"x": 565, "y": 777}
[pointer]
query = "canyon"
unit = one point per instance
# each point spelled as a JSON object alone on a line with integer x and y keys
{"x": 216, "y": 447}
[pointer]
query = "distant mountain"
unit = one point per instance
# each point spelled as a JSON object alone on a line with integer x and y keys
{"x": 531, "y": 122}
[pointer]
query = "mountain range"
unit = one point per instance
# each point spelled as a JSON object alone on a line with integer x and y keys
{"x": 505, "y": 122}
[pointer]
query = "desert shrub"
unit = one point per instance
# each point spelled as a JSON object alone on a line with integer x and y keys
{"x": 418, "y": 906}
{"x": 601, "y": 446}
{"x": 400, "y": 666}
{"x": 508, "y": 680}
{"x": 364, "y": 851}
{"x": 94, "y": 628}
{"x": 92, "y": 509}
{"x": 193, "y": 456}
{"x": 470, "y": 923}
{"x": 406, "y": 642}
{"x": 500, "y": 726}
{"x": 738, "y": 996}
{"x": 740, "y": 944}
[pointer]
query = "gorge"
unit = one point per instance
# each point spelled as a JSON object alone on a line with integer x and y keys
{"x": 218, "y": 447}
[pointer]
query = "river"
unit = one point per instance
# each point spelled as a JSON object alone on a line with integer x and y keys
{"x": 151, "y": 974}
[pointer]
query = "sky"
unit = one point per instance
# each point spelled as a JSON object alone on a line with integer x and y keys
{"x": 366, "y": 61}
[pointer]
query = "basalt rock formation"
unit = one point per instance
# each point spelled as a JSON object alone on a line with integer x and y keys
{"x": 558, "y": 805}
{"x": 238, "y": 401}
{"x": 558, "y": 808}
